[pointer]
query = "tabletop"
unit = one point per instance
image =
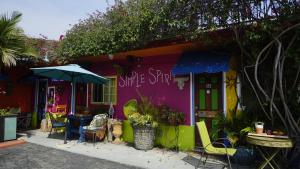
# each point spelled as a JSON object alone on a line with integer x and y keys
{"x": 270, "y": 141}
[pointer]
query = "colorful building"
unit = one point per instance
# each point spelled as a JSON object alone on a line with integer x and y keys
{"x": 199, "y": 83}
{"x": 184, "y": 76}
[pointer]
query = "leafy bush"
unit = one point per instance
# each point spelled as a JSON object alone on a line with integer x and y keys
{"x": 4, "y": 112}
{"x": 171, "y": 117}
{"x": 138, "y": 119}
{"x": 147, "y": 114}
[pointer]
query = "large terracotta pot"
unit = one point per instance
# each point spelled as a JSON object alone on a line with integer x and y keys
{"x": 117, "y": 131}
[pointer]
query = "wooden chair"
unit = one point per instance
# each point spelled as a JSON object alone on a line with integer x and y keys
{"x": 208, "y": 146}
{"x": 58, "y": 124}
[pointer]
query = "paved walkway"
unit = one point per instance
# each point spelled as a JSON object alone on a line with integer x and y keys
{"x": 124, "y": 154}
{"x": 33, "y": 156}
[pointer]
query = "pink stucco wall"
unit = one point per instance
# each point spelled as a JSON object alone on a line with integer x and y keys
{"x": 62, "y": 95}
{"x": 152, "y": 77}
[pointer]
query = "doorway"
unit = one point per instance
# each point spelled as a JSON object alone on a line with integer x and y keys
{"x": 41, "y": 99}
{"x": 208, "y": 99}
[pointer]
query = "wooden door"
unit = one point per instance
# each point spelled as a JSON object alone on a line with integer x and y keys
{"x": 208, "y": 99}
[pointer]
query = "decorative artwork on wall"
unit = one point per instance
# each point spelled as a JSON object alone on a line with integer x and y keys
{"x": 51, "y": 96}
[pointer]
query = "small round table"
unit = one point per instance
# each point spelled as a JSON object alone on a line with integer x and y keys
{"x": 274, "y": 142}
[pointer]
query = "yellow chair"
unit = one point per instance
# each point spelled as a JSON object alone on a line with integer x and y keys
{"x": 208, "y": 146}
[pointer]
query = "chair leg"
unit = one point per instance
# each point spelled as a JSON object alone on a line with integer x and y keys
{"x": 206, "y": 156}
{"x": 229, "y": 164}
{"x": 200, "y": 160}
{"x": 197, "y": 166}
{"x": 65, "y": 139}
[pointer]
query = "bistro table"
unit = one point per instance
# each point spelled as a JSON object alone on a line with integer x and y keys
{"x": 75, "y": 125}
{"x": 263, "y": 141}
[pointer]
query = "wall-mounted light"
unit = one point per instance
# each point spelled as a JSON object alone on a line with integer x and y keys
{"x": 181, "y": 81}
{"x": 110, "y": 56}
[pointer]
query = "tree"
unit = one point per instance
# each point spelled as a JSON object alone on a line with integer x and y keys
{"x": 12, "y": 40}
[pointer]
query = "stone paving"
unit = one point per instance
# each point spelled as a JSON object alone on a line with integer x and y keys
{"x": 33, "y": 156}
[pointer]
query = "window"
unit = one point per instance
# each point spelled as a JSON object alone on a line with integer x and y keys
{"x": 105, "y": 93}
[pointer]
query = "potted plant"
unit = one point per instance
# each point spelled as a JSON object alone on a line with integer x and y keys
{"x": 144, "y": 124}
{"x": 8, "y": 125}
{"x": 170, "y": 116}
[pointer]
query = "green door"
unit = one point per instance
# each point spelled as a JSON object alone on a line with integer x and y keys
{"x": 208, "y": 99}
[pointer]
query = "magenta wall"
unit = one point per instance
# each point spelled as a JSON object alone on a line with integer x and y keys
{"x": 152, "y": 77}
{"x": 62, "y": 96}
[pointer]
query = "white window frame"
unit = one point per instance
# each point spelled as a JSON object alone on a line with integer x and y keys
{"x": 105, "y": 103}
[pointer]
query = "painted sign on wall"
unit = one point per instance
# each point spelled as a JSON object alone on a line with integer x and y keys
{"x": 152, "y": 76}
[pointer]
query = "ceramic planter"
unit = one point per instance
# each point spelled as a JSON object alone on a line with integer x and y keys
{"x": 8, "y": 127}
{"x": 143, "y": 137}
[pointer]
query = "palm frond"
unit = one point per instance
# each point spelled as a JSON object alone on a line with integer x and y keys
{"x": 8, "y": 57}
{"x": 12, "y": 40}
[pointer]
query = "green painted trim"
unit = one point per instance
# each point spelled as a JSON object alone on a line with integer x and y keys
{"x": 214, "y": 99}
{"x": 202, "y": 101}
{"x": 214, "y": 80}
{"x": 165, "y": 136}
{"x": 202, "y": 80}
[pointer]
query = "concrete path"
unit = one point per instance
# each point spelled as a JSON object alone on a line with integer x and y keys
{"x": 33, "y": 156}
{"x": 124, "y": 154}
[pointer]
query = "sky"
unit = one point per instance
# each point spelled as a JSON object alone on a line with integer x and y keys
{"x": 51, "y": 18}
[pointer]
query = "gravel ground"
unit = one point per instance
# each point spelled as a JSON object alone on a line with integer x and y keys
{"x": 33, "y": 156}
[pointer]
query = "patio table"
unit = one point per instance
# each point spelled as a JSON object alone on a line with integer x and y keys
{"x": 83, "y": 120}
{"x": 276, "y": 143}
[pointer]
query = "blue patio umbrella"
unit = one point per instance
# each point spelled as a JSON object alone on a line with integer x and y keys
{"x": 73, "y": 73}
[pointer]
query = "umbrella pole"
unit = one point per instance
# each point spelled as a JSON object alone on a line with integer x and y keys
{"x": 73, "y": 98}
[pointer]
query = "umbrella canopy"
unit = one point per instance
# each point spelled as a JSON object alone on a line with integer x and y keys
{"x": 73, "y": 73}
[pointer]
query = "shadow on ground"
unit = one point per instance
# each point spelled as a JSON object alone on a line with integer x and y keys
{"x": 215, "y": 164}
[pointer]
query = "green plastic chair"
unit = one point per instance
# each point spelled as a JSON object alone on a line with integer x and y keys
{"x": 208, "y": 146}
